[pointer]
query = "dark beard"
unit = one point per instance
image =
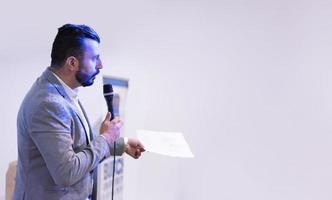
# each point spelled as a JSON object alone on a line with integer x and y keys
{"x": 85, "y": 79}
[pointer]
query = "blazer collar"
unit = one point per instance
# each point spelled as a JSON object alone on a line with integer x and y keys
{"x": 48, "y": 74}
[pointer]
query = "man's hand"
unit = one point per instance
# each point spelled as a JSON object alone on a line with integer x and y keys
{"x": 110, "y": 129}
{"x": 134, "y": 148}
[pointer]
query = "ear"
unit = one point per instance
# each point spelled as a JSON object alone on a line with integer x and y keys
{"x": 72, "y": 63}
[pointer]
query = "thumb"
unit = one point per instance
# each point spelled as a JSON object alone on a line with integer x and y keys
{"x": 108, "y": 116}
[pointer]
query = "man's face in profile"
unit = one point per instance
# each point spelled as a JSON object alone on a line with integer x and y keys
{"x": 90, "y": 64}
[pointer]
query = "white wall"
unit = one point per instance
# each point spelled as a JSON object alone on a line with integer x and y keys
{"x": 248, "y": 82}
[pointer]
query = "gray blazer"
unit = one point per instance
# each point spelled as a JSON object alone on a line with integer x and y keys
{"x": 55, "y": 160}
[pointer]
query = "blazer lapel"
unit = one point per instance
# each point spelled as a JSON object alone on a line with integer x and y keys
{"x": 48, "y": 74}
{"x": 81, "y": 120}
{"x": 87, "y": 120}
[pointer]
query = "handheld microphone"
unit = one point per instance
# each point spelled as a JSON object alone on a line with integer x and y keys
{"x": 109, "y": 94}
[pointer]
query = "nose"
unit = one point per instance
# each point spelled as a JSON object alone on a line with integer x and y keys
{"x": 99, "y": 64}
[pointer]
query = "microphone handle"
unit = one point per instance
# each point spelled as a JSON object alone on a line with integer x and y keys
{"x": 109, "y": 101}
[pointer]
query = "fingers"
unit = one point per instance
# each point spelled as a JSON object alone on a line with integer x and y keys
{"x": 108, "y": 116}
{"x": 135, "y": 148}
{"x": 141, "y": 147}
{"x": 111, "y": 129}
{"x": 135, "y": 143}
{"x": 137, "y": 154}
{"x": 117, "y": 123}
{"x": 114, "y": 122}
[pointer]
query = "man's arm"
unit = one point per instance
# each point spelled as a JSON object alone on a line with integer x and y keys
{"x": 50, "y": 129}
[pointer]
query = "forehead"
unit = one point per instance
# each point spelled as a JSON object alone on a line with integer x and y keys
{"x": 90, "y": 47}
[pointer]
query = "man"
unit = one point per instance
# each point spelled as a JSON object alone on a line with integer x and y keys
{"x": 57, "y": 152}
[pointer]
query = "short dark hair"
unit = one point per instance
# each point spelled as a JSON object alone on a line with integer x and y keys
{"x": 69, "y": 42}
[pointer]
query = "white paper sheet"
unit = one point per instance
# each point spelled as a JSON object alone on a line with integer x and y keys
{"x": 165, "y": 143}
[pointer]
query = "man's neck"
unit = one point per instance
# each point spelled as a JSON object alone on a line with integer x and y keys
{"x": 66, "y": 76}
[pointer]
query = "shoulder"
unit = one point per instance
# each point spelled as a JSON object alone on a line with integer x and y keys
{"x": 44, "y": 97}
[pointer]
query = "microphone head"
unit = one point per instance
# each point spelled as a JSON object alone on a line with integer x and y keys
{"x": 108, "y": 89}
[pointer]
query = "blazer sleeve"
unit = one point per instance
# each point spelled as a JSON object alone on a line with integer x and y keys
{"x": 50, "y": 129}
{"x": 119, "y": 145}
